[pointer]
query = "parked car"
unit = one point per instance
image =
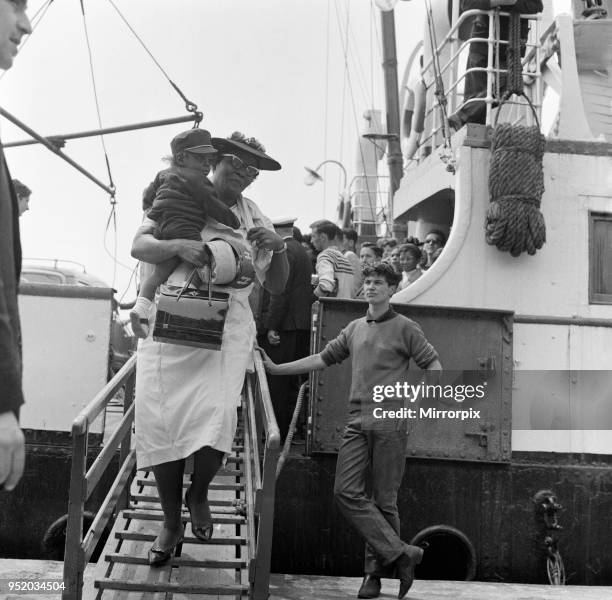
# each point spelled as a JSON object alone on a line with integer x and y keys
{"x": 65, "y": 272}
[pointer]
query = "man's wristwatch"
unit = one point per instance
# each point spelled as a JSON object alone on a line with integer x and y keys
{"x": 283, "y": 249}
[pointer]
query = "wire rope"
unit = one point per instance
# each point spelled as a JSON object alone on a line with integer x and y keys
{"x": 359, "y": 69}
{"x": 345, "y": 78}
{"x": 113, "y": 213}
{"x": 326, "y": 97}
{"x": 190, "y": 106}
{"x": 96, "y": 100}
{"x": 439, "y": 89}
{"x": 352, "y": 96}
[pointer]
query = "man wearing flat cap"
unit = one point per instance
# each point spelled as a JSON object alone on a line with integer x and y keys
{"x": 287, "y": 324}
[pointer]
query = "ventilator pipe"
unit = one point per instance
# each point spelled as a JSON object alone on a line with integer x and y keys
{"x": 449, "y": 555}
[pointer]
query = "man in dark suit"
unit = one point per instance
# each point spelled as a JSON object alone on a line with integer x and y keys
{"x": 287, "y": 324}
{"x": 14, "y": 24}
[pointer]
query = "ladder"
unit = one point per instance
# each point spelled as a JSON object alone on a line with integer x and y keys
{"x": 234, "y": 563}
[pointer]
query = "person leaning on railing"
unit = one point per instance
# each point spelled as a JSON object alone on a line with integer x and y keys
{"x": 476, "y": 81}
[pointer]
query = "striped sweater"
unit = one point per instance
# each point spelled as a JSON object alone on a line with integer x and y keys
{"x": 335, "y": 274}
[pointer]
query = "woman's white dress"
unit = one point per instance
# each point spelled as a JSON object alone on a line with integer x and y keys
{"x": 186, "y": 397}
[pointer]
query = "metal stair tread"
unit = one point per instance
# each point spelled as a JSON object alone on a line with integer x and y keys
{"x": 154, "y": 499}
{"x": 232, "y": 519}
{"x": 212, "y": 486}
{"x": 143, "y": 537}
{"x": 176, "y": 588}
{"x": 175, "y": 561}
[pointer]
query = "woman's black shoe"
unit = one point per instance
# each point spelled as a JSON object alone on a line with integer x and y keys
{"x": 158, "y": 556}
{"x": 203, "y": 532}
{"x": 370, "y": 587}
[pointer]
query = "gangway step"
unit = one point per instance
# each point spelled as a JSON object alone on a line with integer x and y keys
{"x": 230, "y": 507}
{"x": 144, "y": 537}
{"x": 173, "y": 588}
{"x": 222, "y": 472}
{"x": 186, "y": 484}
{"x": 155, "y": 499}
{"x": 178, "y": 562}
{"x": 158, "y": 516}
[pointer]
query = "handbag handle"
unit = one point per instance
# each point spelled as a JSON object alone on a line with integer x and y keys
{"x": 188, "y": 283}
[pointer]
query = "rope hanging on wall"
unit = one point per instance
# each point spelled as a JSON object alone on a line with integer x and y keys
{"x": 514, "y": 222}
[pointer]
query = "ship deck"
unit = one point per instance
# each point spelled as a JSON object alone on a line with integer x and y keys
{"x": 310, "y": 587}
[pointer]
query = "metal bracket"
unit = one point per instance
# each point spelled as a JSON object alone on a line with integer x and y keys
{"x": 483, "y": 437}
{"x": 486, "y": 367}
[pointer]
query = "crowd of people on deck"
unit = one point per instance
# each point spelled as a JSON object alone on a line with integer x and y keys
{"x": 410, "y": 258}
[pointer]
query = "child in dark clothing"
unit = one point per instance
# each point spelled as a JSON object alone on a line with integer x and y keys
{"x": 180, "y": 200}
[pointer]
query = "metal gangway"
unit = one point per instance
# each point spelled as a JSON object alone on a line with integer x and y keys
{"x": 234, "y": 563}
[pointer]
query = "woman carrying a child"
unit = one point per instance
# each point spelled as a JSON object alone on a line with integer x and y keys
{"x": 186, "y": 397}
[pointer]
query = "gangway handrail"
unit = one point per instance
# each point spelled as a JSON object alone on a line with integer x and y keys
{"x": 260, "y": 458}
{"x": 92, "y": 411}
{"x": 79, "y": 547}
{"x": 261, "y": 454}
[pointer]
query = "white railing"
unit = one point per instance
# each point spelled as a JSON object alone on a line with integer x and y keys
{"x": 449, "y": 73}
{"x": 371, "y": 204}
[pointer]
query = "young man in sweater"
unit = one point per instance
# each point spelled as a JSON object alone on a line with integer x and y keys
{"x": 14, "y": 24}
{"x": 380, "y": 345}
{"x": 334, "y": 271}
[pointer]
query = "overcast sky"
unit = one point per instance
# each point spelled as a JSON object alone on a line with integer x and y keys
{"x": 273, "y": 69}
{"x": 263, "y": 68}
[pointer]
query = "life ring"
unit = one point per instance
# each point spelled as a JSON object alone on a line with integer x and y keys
{"x": 450, "y": 554}
{"x": 54, "y": 540}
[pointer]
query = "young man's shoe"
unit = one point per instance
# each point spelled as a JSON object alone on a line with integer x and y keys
{"x": 405, "y": 568}
{"x": 370, "y": 587}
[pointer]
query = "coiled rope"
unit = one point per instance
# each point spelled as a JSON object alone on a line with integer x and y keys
{"x": 514, "y": 222}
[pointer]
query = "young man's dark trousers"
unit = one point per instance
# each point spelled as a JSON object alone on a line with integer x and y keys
{"x": 376, "y": 518}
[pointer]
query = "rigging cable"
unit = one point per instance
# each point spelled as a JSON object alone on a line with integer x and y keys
{"x": 439, "y": 92}
{"x": 348, "y": 78}
{"x": 97, "y": 102}
{"x": 372, "y": 21}
{"x": 113, "y": 202}
{"x": 358, "y": 65}
{"x": 42, "y": 10}
{"x": 189, "y": 105}
{"x": 326, "y": 96}
{"x": 112, "y": 215}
